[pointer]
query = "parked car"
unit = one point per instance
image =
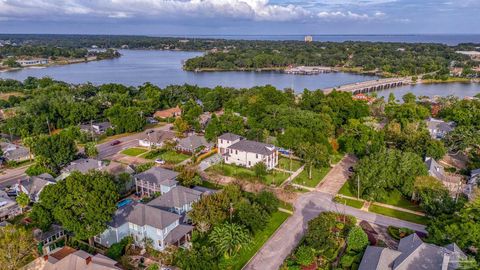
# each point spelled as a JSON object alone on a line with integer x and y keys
{"x": 351, "y": 169}
{"x": 116, "y": 142}
{"x": 160, "y": 161}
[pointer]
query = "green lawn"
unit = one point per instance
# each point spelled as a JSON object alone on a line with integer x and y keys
{"x": 284, "y": 163}
{"x": 286, "y": 206}
{"x": 134, "y": 151}
{"x": 169, "y": 156}
{"x": 347, "y": 190}
{"x": 337, "y": 157}
{"x": 273, "y": 177}
{"x": 398, "y": 214}
{"x": 238, "y": 261}
{"x": 394, "y": 198}
{"x": 317, "y": 177}
{"x": 350, "y": 202}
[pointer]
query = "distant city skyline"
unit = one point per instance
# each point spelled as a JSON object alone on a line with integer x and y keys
{"x": 240, "y": 17}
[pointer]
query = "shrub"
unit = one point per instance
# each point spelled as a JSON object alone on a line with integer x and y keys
{"x": 268, "y": 201}
{"x": 117, "y": 250}
{"x": 305, "y": 255}
{"x": 346, "y": 261}
{"x": 37, "y": 169}
{"x": 357, "y": 239}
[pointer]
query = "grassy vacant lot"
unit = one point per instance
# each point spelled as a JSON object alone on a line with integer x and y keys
{"x": 398, "y": 214}
{"x": 350, "y": 202}
{"x": 169, "y": 156}
{"x": 273, "y": 177}
{"x": 237, "y": 262}
{"x": 134, "y": 151}
{"x": 317, "y": 177}
{"x": 284, "y": 163}
{"x": 394, "y": 198}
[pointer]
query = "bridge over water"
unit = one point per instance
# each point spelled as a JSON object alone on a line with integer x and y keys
{"x": 371, "y": 86}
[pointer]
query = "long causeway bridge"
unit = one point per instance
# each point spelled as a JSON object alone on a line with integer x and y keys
{"x": 371, "y": 86}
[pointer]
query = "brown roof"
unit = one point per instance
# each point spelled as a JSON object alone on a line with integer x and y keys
{"x": 62, "y": 253}
{"x": 168, "y": 113}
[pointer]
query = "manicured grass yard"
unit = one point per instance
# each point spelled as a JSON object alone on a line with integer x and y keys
{"x": 273, "y": 177}
{"x": 347, "y": 190}
{"x": 350, "y": 202}
{"x": 398, "y": 214}
{"x": 317, "y": 177}
{"x": 237, "y": 262}
{"x": 169, "y": 156}
{"x": 133, "y": 152}
{"x": 396, "y": 198}
{"x": 284, "y": 163}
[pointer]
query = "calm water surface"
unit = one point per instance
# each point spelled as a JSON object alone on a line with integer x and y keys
{"x": 163, "y": 68}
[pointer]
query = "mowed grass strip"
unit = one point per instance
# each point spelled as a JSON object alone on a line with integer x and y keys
{"x": 350, "y": 202}
{"x": 134, "y": 151}
{"x": 317, "y": 177}
{"x": 237, "y": 262}
{"x": 398, "y": 214}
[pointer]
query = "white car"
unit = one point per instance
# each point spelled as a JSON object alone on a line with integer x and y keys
{"x": 160, "y": 161}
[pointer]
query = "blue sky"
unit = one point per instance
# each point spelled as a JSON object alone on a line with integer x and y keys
{"x": 240, "y": 17}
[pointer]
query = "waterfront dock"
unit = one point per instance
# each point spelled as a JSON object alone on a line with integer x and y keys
{"x": 304, "y": 70}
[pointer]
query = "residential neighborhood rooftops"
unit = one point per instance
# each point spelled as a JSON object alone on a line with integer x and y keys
{"x": 434, "y": 169}
{"x": 230, "y": 137}
{"x": 14, "y": 152}
{"x": 412, "y": 254}
{"x": 34, "y": 185}
{"x": 193, "y": 142}
{"x": 84, "y": 165}
{"x": 439, "y": 127}
{"x": 71, "y": 259}
{"x": 142, "y": 214}
{"x": 253, "y": 147}
{"x": 159, "y": 176}
{"x": 177, "y": 197}
{"x": 177, "y": 233}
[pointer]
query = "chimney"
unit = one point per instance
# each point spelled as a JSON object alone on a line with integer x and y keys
{"x": 88, "y": 260}
{"x": 45, "y": 257}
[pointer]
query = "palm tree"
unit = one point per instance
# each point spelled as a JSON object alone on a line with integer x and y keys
{"x": 229, "y": 238}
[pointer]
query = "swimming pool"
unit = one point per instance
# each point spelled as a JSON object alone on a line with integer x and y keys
{"x": 124, "y": 202}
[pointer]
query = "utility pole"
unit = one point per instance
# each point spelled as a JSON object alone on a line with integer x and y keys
{"x": 358, "y": 187}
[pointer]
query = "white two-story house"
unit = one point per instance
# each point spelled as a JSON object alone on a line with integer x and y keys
{"x": 144, "y": 222}
{"x": 155, "y": 180}
{"x": 239, "y": 151}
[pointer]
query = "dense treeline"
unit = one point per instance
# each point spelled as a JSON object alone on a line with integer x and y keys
{"x": 389, "y": 58}
{"x": 42, "y": 51}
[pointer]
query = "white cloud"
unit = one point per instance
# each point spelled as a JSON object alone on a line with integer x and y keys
{"x": 349, "y": 15}
{"x": 260, "y": 10}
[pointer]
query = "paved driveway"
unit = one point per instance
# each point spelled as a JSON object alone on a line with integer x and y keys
{"x": 307, "y": 207}
{"x": 338, "y": 175}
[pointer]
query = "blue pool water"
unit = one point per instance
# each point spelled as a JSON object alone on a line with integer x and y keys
{"x": 124, "y": 202}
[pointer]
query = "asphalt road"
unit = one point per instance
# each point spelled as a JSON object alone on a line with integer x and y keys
{"x": 105, "y": 150}
{"x": 307, "y": 207}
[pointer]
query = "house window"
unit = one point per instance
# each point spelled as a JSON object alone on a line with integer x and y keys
{"x": 236, "y": 152}
{"x": 221, "y": 141}
{"x": 256, "y": 155}
{"x": 249, "y": 163}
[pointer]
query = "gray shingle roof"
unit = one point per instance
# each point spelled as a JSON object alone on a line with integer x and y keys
{"x": 83, "y": 165}
{"x": 193, "y": 142}
{"x": 36, "y": 183}
{"x": 230, "y": 137}
{"x": 253, "y": 147}
{"x": 176, "y": 197}
{"x": 434, "y": 169}
{"x": 440, "y": 125}
{"x": 177, "y": 233}
{"x": 159, "y": 176}
{"x": 14, "y": 152}
{"x": 378, "y": 258}
{"x": 412, "y": 254}
{"x": 142, "y": 214}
